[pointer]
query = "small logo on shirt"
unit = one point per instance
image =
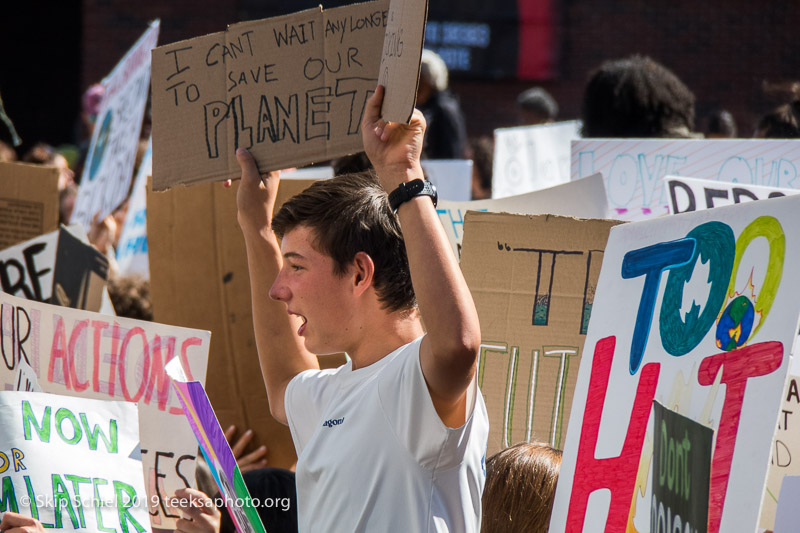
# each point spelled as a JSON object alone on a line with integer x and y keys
{"x": 332, "y": 422}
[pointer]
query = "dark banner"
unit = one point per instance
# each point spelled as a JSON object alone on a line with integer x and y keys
{"x": 681, "y": 473}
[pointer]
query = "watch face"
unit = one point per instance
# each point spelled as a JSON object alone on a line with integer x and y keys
{"x": 415, "y": 187}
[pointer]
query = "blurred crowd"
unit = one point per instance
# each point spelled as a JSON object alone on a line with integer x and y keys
{"x": 632, "y": 97}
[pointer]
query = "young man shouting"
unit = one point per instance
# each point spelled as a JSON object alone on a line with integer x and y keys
{"x": 395, "y": 439}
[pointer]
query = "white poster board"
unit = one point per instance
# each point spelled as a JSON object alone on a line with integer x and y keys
{"x": 692, "y": 194}
{"x": 26, "y": 269}
{"x": 79, "y": 353}
{"x": 72, "y": 463}
{"x": 132, "y": 248}
{"x": 530, "y": 158}
{"x": 788, "y": 514}
{"x": 699, "y": 312}
{"x": 581, "y": 198}
{"x": 109, "y": 164}
{"x": 452, "y": 177}
{"x": 633, "y": 168}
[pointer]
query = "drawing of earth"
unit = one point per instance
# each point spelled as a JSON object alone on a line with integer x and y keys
{"x": 100, "y": 146}
{"x": 733, "y": 328}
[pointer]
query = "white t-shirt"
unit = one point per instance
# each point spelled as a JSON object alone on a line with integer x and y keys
{"x": 373, "y": 454}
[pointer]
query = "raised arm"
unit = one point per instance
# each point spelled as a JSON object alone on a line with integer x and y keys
{"x": 280, "y": 350}
{"x": 450, "y": 348}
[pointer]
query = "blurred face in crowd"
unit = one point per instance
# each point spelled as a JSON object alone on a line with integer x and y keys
{"x": 66, "y": 176}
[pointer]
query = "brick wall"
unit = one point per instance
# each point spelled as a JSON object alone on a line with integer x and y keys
{"x": 722, "y": 50}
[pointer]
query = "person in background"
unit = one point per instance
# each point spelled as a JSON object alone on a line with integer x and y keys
{"x": 720, "y": 125}
{"x": 90, "y": 108}
{"x": 482, "y": 158}
{"x": 66, "y": 203}
{"x": 7, "y": 153}
{"x": 520, "y": 489}
{"x": 44, "y": 154}
{"x": 130, "y": 296}
{"x": 536, "y": 106}
{"x": 637, "y": 97}
{"x": 446, "y": 135}
{"x": 783, "y": 122}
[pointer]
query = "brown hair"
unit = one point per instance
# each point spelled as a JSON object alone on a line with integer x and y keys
{"x": 520, "y": 487}
{"x": 130, "y": 296}
{"x": 350, "y": 214}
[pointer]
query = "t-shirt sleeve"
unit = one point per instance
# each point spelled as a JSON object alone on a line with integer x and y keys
{"x": 409, "y": 410}
{"x": 304, "y": 401}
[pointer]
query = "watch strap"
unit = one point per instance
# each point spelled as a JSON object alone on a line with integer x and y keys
{"x": 408, "y": 190}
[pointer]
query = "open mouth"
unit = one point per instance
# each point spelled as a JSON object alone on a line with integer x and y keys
{"x": 302, "y": 327}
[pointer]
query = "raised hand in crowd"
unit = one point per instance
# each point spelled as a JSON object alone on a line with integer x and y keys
{"x": 250, "y": 461}
{"x": 101, "y": 233}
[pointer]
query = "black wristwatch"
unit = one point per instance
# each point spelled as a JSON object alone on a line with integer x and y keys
{"x": 408, "y": 190}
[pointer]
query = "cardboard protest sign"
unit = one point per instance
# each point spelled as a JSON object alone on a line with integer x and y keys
{"x": 109, "y": 163}
{"x": 533, "y": 280}
{"x": 681, "y": 472}
{"x": 55, "y": 267}
{"x": 199, "y": 279}
{"x": 291, "y": 89}
{"x": 78, "y": 353}
{"x": 132, "y": 247}
{"x": 691, "y": 194}
{"x": 684, "y": 305}
{"x": 26, "y": 379}
{"x": 452, "y": 178}
{"x": 402, "y": 50}
{"x": 28, "y": 202}
{"x": 785, "y": 451}
{"x": 633, "y": 168}
{"x": 530, "y": 158}
{"x": 217, "y": 452}
{"x": 72, "y": 463}
{"x": 581, "y": 198}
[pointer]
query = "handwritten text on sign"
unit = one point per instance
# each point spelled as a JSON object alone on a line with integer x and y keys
{"x": 99, "y": 488}
{"x": 79, "y": 353}
{"x": 633, "y": 168}
{"x": 683, "y": 305}
{"x": 291, "y": 89}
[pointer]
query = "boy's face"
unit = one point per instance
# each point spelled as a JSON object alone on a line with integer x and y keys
{"x": 312, "y": 291}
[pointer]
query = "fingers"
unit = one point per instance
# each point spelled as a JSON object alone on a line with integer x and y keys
{"x": 229, "y": 433}
{"x": 189, "y": 526}
{"x": 372, "y": 111}
{"x": 241, "y": 443}
{"x": 194, "y": 502}
{"x": 16, "y": 520}
{"x": 247, "y": 163}
{"x": 253, "y": 460}
{"x": 202, "y": 515}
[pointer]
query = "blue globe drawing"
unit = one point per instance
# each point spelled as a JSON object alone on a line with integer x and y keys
{"x": 735, "y": 324}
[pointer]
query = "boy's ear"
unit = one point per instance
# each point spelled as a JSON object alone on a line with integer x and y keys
{"x": 363, "y": 272}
